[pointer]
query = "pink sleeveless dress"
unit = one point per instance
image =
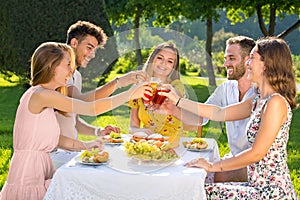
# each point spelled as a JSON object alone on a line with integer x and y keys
{"x": 34, "y": 137}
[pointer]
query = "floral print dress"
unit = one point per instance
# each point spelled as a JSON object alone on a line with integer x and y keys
{"x": 268, "y": 178}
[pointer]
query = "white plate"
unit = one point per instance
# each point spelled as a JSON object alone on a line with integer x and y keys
{"x": 137, "y": 162}
{"x": 154, "y": 160}
{"x": 113, "y": 143}
{"x": 77, "y": 159}
{"x": 199, "y": 150}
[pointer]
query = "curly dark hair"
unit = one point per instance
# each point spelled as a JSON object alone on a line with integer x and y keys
{"x": 81, "y": 29}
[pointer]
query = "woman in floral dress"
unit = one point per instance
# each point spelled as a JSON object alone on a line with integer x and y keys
{"x": 271, "y": 69}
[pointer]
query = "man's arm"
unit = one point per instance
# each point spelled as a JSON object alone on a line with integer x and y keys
{"x": 77, "y": 145}
{"x": 70, "y": 143}
{"x": 84, "y": 127}
{"x": 107, "y": 89}
{"x": 100, "y": 92}
{"x": 87, "y": 129}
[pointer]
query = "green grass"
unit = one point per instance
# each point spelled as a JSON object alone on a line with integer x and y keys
{"x": 10, "y": 94}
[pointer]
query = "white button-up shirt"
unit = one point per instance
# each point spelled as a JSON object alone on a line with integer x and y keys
{"x": 226, "y": 94}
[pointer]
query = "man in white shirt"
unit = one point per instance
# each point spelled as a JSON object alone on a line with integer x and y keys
{"x": 226, "y": 94}
{"x": 85, "y": 37}
{"x": 237, "y": 88}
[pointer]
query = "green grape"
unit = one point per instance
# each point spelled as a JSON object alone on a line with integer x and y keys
{"x": 165, "y": 146}
{"x": 198, "y": 140}
{"x": 115, "y": 135}
{"x": 146, "y": 151}
{"x": 94, "y": 151}
{"x": 86, "y": 153}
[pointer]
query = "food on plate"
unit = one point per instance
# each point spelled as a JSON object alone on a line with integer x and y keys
{"x": 143, "y": 140}
{"x": 94, "y": 156}
{"x": 150, "y": 150}
{"x": 158, "y": 143}
{"x": 101, "y": 157}
{"x": 156, "y": 136}
{"x": 137, "y": 136}
{"x": 196, "y": 143}
{"x": 142, "y": 136}
{"x": 113, "y": 138}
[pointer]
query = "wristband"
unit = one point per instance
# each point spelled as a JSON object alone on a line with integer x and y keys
{"x": 96, "y": 131}
{"x": 118, "y": 84}
{"x": 178, "y": 101}
{"x": 221, "y": 166}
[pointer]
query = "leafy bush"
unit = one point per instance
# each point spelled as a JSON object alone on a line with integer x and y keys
{"x": 26, "y": 24}
{"x": 296, "y": 62}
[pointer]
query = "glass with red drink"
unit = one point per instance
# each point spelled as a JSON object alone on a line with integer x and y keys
{"x": 154, "y": 82}
{"x": 159, "y": 99}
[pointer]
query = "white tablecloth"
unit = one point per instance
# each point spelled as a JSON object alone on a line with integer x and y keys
{"x": 124, "y": 178}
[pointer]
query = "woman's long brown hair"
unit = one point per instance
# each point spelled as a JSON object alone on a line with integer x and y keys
{"x": 279, "y": 67}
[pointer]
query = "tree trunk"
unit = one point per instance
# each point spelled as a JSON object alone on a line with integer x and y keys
{"x": 289, "y": 30}
{"x": 272, "y": 19}
{"x": 138, "y": 52}
{"x": 209, "y": 66}
{"x": 260, "y": 21}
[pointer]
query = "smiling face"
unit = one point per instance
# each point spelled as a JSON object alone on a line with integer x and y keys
{"x": 163, "y": 63}
{"x": 84, "y": 50}
{"x": 234, "y": 63}
{"x": 63, "y": 71}
{"x": 255, "y": 66}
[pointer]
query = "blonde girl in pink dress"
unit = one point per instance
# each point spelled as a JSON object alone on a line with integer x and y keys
{"x": 36, "y": 130}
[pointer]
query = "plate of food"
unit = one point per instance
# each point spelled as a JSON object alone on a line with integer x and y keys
{"x": 196, "y": 144}
{"x": 113, "y": 139}
{"x": 137, "y": 136}
{"x": 92, "y": 157}
{"x": 142, "y": 136}
{"x": 152, "y": 150}
{"x": 199, "y": 150}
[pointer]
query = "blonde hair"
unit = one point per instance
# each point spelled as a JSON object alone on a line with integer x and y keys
{"x": 148, "y": 66}
{"x": 46, "y": 58}
{"x": 44, "y": 61}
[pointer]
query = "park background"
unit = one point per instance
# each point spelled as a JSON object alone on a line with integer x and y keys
{"x": 200, "y": 28}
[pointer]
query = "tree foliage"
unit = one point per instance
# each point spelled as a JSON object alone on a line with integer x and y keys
{"x": 26, "y": 24}
{"x": 134, "y": 12}
{"x": 206, "y": 11}
{"x": 131, "y": 12}
{"x": 267, "y": 12}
